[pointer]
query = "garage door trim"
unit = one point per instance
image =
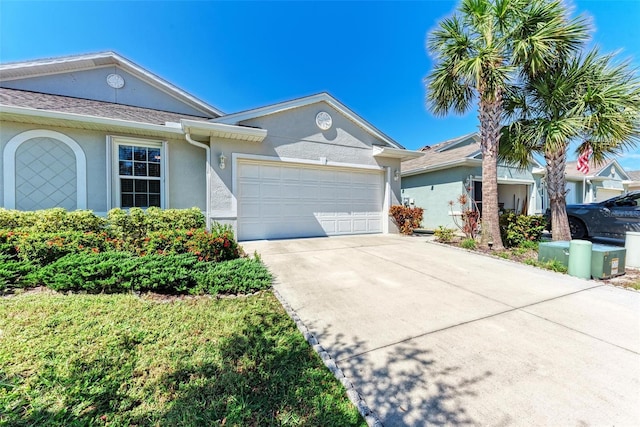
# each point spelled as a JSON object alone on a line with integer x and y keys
{"x": 239, "y": 158}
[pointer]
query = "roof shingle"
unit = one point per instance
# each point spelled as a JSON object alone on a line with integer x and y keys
{"x": 88, "y": 107}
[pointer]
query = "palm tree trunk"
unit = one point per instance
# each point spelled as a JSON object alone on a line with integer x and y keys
{"x": 490, "y": 116}
{"x": 556, "y": 188}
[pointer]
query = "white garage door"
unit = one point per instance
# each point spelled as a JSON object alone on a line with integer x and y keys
{"x": 286, "y": 200}
{"x": 603, "y": 194}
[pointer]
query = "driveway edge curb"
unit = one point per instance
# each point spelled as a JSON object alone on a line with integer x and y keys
{"x": 355, "y": 398}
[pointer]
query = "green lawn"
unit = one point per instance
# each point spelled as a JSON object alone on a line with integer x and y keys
{"x": 68, "y": 360}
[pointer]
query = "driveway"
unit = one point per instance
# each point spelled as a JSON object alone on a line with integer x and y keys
{"x": 435, "y": 335}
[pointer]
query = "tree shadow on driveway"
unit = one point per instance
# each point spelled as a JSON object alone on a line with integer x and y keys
{"x": 403, "y": 384}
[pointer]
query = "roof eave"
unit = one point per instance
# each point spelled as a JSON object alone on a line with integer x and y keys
{"x": 221, "y": 130}
{"x": 396, "y": 153}
{"x": 441, "y": 166}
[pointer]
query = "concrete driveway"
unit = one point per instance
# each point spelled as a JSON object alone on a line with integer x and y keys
{"x": 435, "y": 335}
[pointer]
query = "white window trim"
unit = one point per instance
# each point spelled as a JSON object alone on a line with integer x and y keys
{"x": 9, "y": 165}
{"x": 113, "y": 181}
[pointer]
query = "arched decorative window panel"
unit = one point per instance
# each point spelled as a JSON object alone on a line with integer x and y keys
{"x": 44, "y": 169}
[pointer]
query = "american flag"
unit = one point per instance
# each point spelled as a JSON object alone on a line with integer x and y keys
{"x": 583, "y": 160}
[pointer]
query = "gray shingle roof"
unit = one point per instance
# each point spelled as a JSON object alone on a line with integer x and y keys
{"x": 634, "y": 175}
{"x": 88, "y": 107}
{"x": 433, "y": 157}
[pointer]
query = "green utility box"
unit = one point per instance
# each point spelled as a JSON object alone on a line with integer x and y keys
{"x": 559, "y": 250}
{"x": 607, "y": 261}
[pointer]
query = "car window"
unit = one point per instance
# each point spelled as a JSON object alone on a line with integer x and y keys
{"x": 628, "y": 201}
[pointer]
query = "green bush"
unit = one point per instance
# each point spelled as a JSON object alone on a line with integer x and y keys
{"x": 217, "y": 245}
{"x": 443, "y": 234}
{"x": 13, "y": 272}
{"x": 8, "y": 239}
{"x": 242, "y": 275}
{"x": 407, "y": 219}
{"x": 44, "y": 248}
{"x": 111, "y": 272}
{"x": 469, "y": 244}
{"x": 517, "y": 229}
{"x": 47, "y": 220}
{"x": 166, "y": 251}
{"x": 137, "y": 223}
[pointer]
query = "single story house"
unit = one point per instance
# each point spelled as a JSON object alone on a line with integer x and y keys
{"x": 454, "y": 167}
{"x": 97, "y": 132}
{"x": 602, "y": 182}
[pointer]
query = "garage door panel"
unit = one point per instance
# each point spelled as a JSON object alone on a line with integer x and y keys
{"x": 249, "y": 171}
{"x": 360, "y": 225}
{"x": 270, "y": 190}
{"x": 250, "y": 189}
{"x": 250, "y": 210}
{"x": 271, "y": 210}
{"x": 291, "y": 173}
{"x": 291, "y": 200}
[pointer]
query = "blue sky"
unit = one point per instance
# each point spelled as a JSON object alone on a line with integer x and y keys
{"x": 240, "y": 55}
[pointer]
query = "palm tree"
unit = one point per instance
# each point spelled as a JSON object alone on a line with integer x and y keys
{"x": 477, "y": 53}
{"x": 586, "y": 99}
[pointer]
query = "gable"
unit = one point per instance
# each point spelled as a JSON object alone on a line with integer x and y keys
{"x": 85, "y": 77}
{"x": 92, "y": 84}
{"x": 466, "y": 141}
{"x": 250, "y": 116}
{"x": 299, "y": 124}
{"x": 613, "y": 172}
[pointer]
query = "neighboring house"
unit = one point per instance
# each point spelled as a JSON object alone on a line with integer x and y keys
{"x": 454, "y": 167}
{"x": 602, "y": 182}
{"x": 634, "y": 183}
{"x": 97, "y": 132}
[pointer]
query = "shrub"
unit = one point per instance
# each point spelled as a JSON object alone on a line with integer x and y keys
{"x": 217, "y": 245}
{"x": 112, "y": 271}
{"x": 517, "y": 229}
{"x": 469, "y": 244}
{"x": 136, "y": 223}
{"x": 13, "y": 272}
{"x": 470, "y": 219}
{"x": 47, "y": 220}
{"x": 407, "y": 219}
{"x": 242, "y": 275}
{"x": 443, "y": 234}
{"x": 44, "y": 248}
{"x": 8, "y": 241}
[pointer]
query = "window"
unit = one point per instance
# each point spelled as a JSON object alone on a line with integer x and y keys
{"x": 139, "y": 167}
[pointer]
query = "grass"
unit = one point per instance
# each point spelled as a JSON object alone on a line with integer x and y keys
{"x": 76, "y": 360}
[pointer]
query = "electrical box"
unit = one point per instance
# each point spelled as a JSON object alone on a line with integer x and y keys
{"x": 607, "y": 261}
{"x": 558, "y": 250}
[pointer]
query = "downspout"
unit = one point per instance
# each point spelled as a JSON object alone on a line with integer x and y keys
{"x": 207, "y": 150}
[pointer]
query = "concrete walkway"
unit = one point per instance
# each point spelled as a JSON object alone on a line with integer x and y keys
{"x": 436, "y": 335}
